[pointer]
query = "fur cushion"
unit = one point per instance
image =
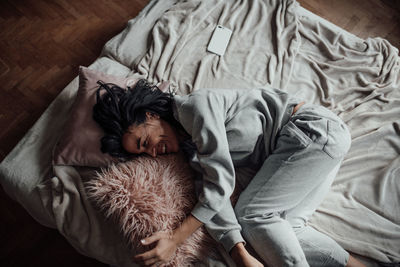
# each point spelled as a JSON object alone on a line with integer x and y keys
{"x": 147, "y": 195}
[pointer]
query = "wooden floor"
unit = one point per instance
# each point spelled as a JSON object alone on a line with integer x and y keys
{"x": 42, "y": 44}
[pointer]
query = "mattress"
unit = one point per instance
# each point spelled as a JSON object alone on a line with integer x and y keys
{"x": 277, "y": 43}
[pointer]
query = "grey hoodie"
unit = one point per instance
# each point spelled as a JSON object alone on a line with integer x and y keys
{"x": 230, "y": 127}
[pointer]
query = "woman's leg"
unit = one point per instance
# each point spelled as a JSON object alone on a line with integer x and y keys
{"x": 308, "y": 149}
{"x": 319, "y": 249}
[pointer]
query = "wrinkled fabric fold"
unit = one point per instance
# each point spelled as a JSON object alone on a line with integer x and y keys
{"x": 277, "y": 43}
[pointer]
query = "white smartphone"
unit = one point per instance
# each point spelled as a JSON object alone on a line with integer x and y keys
{"x": 219, "y": 40}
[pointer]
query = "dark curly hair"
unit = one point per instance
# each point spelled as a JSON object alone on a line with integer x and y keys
{"x": 119, "y": 108}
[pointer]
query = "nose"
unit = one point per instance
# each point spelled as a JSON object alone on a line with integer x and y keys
{"x": 151, "y": 151}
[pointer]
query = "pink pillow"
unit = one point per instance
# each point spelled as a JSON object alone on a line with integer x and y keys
{"x": 80, "y": 143}
{"x": 147, "y": 195}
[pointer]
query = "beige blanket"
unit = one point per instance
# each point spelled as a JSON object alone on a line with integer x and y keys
{"x": 279, "y": 45}
{"x": 275, "y": 43}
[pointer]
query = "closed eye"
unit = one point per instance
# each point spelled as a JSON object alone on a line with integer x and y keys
{"x": 146, "y": 142}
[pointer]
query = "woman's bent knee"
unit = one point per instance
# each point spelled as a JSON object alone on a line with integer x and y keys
{"x": 339, "y": 139}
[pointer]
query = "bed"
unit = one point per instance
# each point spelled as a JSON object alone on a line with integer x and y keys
{"x": 275, "y": 43}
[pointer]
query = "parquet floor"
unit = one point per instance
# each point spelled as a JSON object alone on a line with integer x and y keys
{"x": 42, "y": 43}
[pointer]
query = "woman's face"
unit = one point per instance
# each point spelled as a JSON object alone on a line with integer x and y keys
{"x": 154, "y": 137}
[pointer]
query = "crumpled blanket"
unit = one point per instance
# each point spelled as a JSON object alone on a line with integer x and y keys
{"x": 274, "y": 44}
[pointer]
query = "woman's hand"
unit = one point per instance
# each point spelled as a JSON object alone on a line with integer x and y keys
{"x": 163, "y": 251}
{"x": 167, "y": 243}
{"x": 243, "y": 258}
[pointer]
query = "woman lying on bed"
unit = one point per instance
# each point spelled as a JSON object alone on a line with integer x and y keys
{"x": 296, "y": 147}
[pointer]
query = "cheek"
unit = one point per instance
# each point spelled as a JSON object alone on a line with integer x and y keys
{"x": 174, "y": 145}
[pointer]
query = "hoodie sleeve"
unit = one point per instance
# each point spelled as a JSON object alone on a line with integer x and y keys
{"x": 203, "y": 115}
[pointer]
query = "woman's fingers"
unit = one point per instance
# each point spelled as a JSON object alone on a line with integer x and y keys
{"x": 152, "y": 262}
{"x": 159, "y": 254}
{"x": 155, "y": 237}
{"x": 144, "y": 260}
{"x": 156, "y": 265}
{"x": 148, "y": 262}
{"x": 146, "y": 256}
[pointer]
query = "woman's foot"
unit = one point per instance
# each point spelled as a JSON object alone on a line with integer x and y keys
{"x": 352, "y": 262}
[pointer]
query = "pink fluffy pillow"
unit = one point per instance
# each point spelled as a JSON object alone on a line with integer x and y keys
{"x": 147, "y": 195}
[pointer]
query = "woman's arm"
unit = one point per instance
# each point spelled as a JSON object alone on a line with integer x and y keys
{"x": 167, "y": 243}
{"x": 203, "y": 115}
{"x": 188, "y": 227}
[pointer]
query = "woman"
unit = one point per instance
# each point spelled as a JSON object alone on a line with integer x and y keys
{"x": 296, "y": 147}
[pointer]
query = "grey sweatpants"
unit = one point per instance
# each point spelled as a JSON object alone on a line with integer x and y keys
{"x": 274, "y": 208}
